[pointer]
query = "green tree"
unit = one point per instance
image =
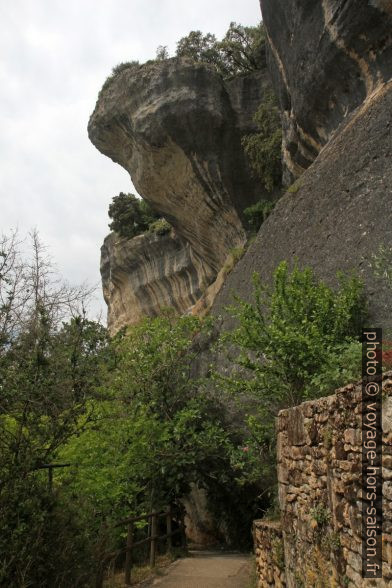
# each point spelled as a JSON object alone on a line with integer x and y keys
{"x": 198, "y": 47}
{"x": 162, "y": 53}
{"x": 178, "y": 428}
{"x": 131, "y": 216}
{"x": 294, "y": 342}
{"x": 264, "y": 147}
{"x": 48, "y": 372}
{"x": 158, "y": 432}
{"x": 241, "y": 51}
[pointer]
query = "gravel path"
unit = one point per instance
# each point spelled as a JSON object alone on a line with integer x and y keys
{"x": 208, "y": 570}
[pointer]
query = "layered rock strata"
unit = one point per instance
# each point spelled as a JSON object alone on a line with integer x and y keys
{"x": 338, "y": 213}
{"x": 326, "y": 57}
{"x": 144, "y": 275}
{"x": 176, "y": 127}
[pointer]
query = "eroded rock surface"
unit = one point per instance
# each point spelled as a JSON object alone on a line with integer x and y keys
{"x": 176, "y": 127}
{"x": 144, "y": 275}
{"x": 337, "y": 214}
{"x": 326, "y": 58}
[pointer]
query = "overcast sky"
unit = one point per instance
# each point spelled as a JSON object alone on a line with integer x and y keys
{"x": 54, "y": 57}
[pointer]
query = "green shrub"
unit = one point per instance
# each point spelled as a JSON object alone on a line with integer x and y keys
{"x": 321, "y": 514}
{"x": 255, "y": 215}
{"x": 160, "y": 227}
{"x": 130, "y": 215}
{"x": 343, "y": 365}
{"x": 128, "y": 65}
{"x": 264, "y": 148}
{"x": 288, "y": 339}
{"x": 43, "y": 538}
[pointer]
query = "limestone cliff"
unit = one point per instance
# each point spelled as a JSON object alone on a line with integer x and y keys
{"x": 176, "y": 127}
{"x": 143, "y": 275}
{"x": 326, "y": 58}
{"x": 339, "y": 211}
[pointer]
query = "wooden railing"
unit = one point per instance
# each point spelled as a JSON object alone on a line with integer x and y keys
{"x": 170, "y": 514}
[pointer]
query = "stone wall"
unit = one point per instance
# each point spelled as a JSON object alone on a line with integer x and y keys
{"x": 268, "y": 540}
{"x": 319, "y": 478}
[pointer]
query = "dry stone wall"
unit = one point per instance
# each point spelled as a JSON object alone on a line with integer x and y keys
{"x": 269, "y": 549}
{"x": 320, "y": 492}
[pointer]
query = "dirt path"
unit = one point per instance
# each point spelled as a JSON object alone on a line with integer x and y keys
{"x": 208, "y": 570}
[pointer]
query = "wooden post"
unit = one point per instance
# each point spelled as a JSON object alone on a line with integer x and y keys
{"x": 169, "y": 529}
{"x": 128, "y": 555}
{"x": 153, "y": 538}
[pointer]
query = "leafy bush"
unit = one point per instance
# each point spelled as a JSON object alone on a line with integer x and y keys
{"x": 49, "y": 371}
{"x": 43, "y": 538}
{"x": 255, "y": 215}
{"x": 160, "y": 227}
{"x": 131, "y": 216}
{"x": 127, "y": 65}
{"x": 294, "y": 341}
{"x": 264, "y": 148}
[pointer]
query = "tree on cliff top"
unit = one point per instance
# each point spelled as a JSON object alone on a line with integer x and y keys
{"x": 239, "y": 52}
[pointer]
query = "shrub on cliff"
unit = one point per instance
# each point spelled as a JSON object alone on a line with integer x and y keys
{"x": 264, "y": 147}
{"x": 257, "y": 213}
{"x": 160, "y": 227}
{"x": 120, "y": 67}
{"x": 130, "y": 216}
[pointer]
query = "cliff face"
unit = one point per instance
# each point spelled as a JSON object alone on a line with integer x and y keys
{"x": 338, "y": 213}
{"x": 326, "y": 58}
{"x": 176, "y": 127}
{"x": 143, "y": 275}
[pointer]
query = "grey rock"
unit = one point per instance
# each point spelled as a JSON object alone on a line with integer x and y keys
{"x": 176, "y": 127}
{"x": 326, "y": 58}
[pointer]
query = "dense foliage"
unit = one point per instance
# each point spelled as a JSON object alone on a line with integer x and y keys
{"x": 157, "y": 434}
{"x": 256, "y": 214}
{"x": 264, "y": 148}
{"x": 133, "y": 216}
{"x": 241, "y": 50}
{"x": 50, "y": 355}
{"x": 297, "y": 340}
{"x": 127, "y": 415}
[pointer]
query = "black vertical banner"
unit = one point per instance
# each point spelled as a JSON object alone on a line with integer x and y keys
{"x": 372, "y": 453}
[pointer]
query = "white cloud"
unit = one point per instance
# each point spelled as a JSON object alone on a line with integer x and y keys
{"x": 55, "y": 57}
